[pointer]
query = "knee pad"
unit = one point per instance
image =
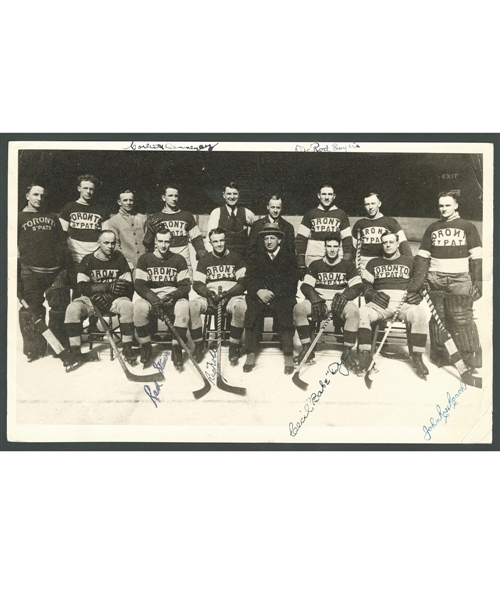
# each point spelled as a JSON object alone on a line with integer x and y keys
{"x": 459, "y": 317}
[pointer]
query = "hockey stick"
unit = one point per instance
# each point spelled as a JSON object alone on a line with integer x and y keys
{"x": 221, "y": 384}
{"x": 296, "y": 377}
{"x": 465, "y": 375}
{"x": 368, "y": 381}
{"x": 130, "y": 376}
{"x": 206, "y": 387}
{"x": 54, "y": 343}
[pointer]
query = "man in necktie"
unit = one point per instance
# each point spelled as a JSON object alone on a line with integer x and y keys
{"x": 272, "y": 277}
{"x": 274, "y": 208}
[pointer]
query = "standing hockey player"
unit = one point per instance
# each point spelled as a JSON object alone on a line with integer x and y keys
{"x": 450, "y": 259}
{"x": 335, "y": 280}
{"x": 271, "y": 280}
{"x": 43, "y": 271}
{"x": 386, "y": 280}
{"x": 162, "y": 282}
{"x": 369, "y": 230}
{"x": 318, "y": 224}
{"x": 219, "y": 268}
{"x": 235, "y": 221}
{"x": 274, "y": 208}
{"x": 104, "y": 279}
{"x": 128, "y": 226}
{"x": 182, "y": 227}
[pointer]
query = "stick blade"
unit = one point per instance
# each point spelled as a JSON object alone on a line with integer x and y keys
{"x": 201, "y": 392}
{"x": 144, "y": 378}
{"x": 368, "y": 381}
{"x": 221, "y": 384}
{"x": 471, "y": 380}
{"x": 298, "y": 381}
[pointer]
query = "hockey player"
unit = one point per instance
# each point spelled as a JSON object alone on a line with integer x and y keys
{"x": 235, "y": 221}
{"x": 219, "y": 268}
{"x": 450, "y": 259}
{"x": 104, "y": 280}
{"x": 335, "y": 280}
{"x": 82, "y": 220}
{"x": 368, "y": 230}
{"x": 386, "y": 280}
{"x": 128, "y": 226}
{"x": 162, "y": 282}
{"x": 181, "y": 224}
{"x": 318, "y": 224}
{"x": 274, "y": 208}
{"x": 43, "y": 271}
{"x": 271, "y": 280}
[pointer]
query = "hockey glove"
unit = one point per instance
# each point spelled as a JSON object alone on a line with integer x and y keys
{"x": 476, "y": 268}
{"x": 420, "y": 271}
{"x": 213, "y": 300}
{"x": 102, "y": 300}
{"x": 168, "y": 301}
{"x": 319, "y": 311}
{"x": 224, "y": 297}
{"x": 120, "y": 287}
{"x": 379, "y": 298}
{"x": 414, "y": 298}
{"x": 338, "y": 304}
{"x": 155, "y": 224}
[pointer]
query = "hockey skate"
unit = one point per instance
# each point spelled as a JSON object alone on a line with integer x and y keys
{"x": 129, "y": 353}
{"x": 146, "y": 354}
{"x": 234, "y": 354}
{"x": 420, "y": 369}
{"x": 74, "y": 358}
{"x": 300, "y": 357}
{"x": 365, "y": 359}
{"x": 199, "y": 351}
{"x": 350, "y": 362}
{"x": 177, "y": 357}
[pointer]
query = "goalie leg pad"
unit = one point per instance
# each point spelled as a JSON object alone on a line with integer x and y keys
{"x": 34, "y": 344}
{"x": 459, "y": 315}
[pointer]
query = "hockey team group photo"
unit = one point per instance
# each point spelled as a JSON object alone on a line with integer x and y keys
{"x": 252, "y": 295}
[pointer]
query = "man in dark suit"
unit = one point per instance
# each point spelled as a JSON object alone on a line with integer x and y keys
{"x": 271, "y": 278}
{"x": 274, "y": 208}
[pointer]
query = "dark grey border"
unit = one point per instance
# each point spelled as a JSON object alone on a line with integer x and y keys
{"x": 5, "y": 138}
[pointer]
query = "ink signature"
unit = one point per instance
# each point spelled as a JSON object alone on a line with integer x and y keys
{"x": 211, "y": 375}
{"x": 310, "y": 405}
{"x": 316, "y": 147}
{"x": 169, "y": 146}
{"x": 443, "y": 413}
{"x": 154, "y": 395}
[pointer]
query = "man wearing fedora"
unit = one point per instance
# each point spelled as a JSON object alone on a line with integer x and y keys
{"x": 272, "y": 277}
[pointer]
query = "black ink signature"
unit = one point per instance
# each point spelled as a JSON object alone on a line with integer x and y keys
{"x": 443, "y": 413}
{"x": 168, "y": 146}
{"x": 310, "y": 405}
{"x": 316, "y": 147}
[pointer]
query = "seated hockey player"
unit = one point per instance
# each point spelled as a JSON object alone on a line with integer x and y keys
{"x": 386, "y": 280}
{"x": 162, "y": 282}
{"x": 104, "y": 280}
{"x": 271, "y": 281}
{"x": 219, "y": 268}
{"x": 330, "y": 279}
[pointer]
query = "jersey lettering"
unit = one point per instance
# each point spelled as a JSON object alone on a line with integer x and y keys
{"x": 221, "y": 272}
{"x": 39, "y": 224}
{"x": 325, "y": 224}
{"x": 178, "y": 228}
{"x": 449, "y": 237}
{"x": 331, "y": 279}
{"x": 372, "y": 235}
{"x": 103, "y": 275}
{"x": 83, "y": 220}
{"x": 391, "y": 271}
{"x": 160, "y": 274}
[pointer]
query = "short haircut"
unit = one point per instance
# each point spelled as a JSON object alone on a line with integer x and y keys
{"x": 332, "y": 238}
{"x": 168, "y": 185}
{"x": 125, "y": 192}
{"x": 163, "y": 229}
{"x": 377, "y": 194}
{"x": 275, "y": 197}
{"x": 216, "y": 231}
{"x": 386, "y": 233}
{"x": 325, "y": 185}
{"x": 231, "y": 184}
{"x": 90, "y": 178}
{"x": 107, "y": 231}
{"x": 32, "y": 185}
{"x": 453, "y": 195}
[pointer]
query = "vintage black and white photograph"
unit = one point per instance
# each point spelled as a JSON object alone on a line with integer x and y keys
{"x": 215, "y": 291}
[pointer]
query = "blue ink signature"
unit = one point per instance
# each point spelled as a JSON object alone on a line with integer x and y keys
{"x": 310, "y": 405}
{"x": 169, "y": 146}
{"x": 212, "y": 365}
{"x": 316, "y": 147}
{"x": 159, "y": 365}
{"x": 443, "y": 413}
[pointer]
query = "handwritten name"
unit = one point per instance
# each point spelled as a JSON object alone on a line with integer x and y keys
{"x": 317, "y": 147}
{"x": 443, "y": 413}
{"x": 169, "y": 146}
{"x": 310, "y": 405}
{"x": 159, "y": 365}
{"x": 211, "y": 365}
